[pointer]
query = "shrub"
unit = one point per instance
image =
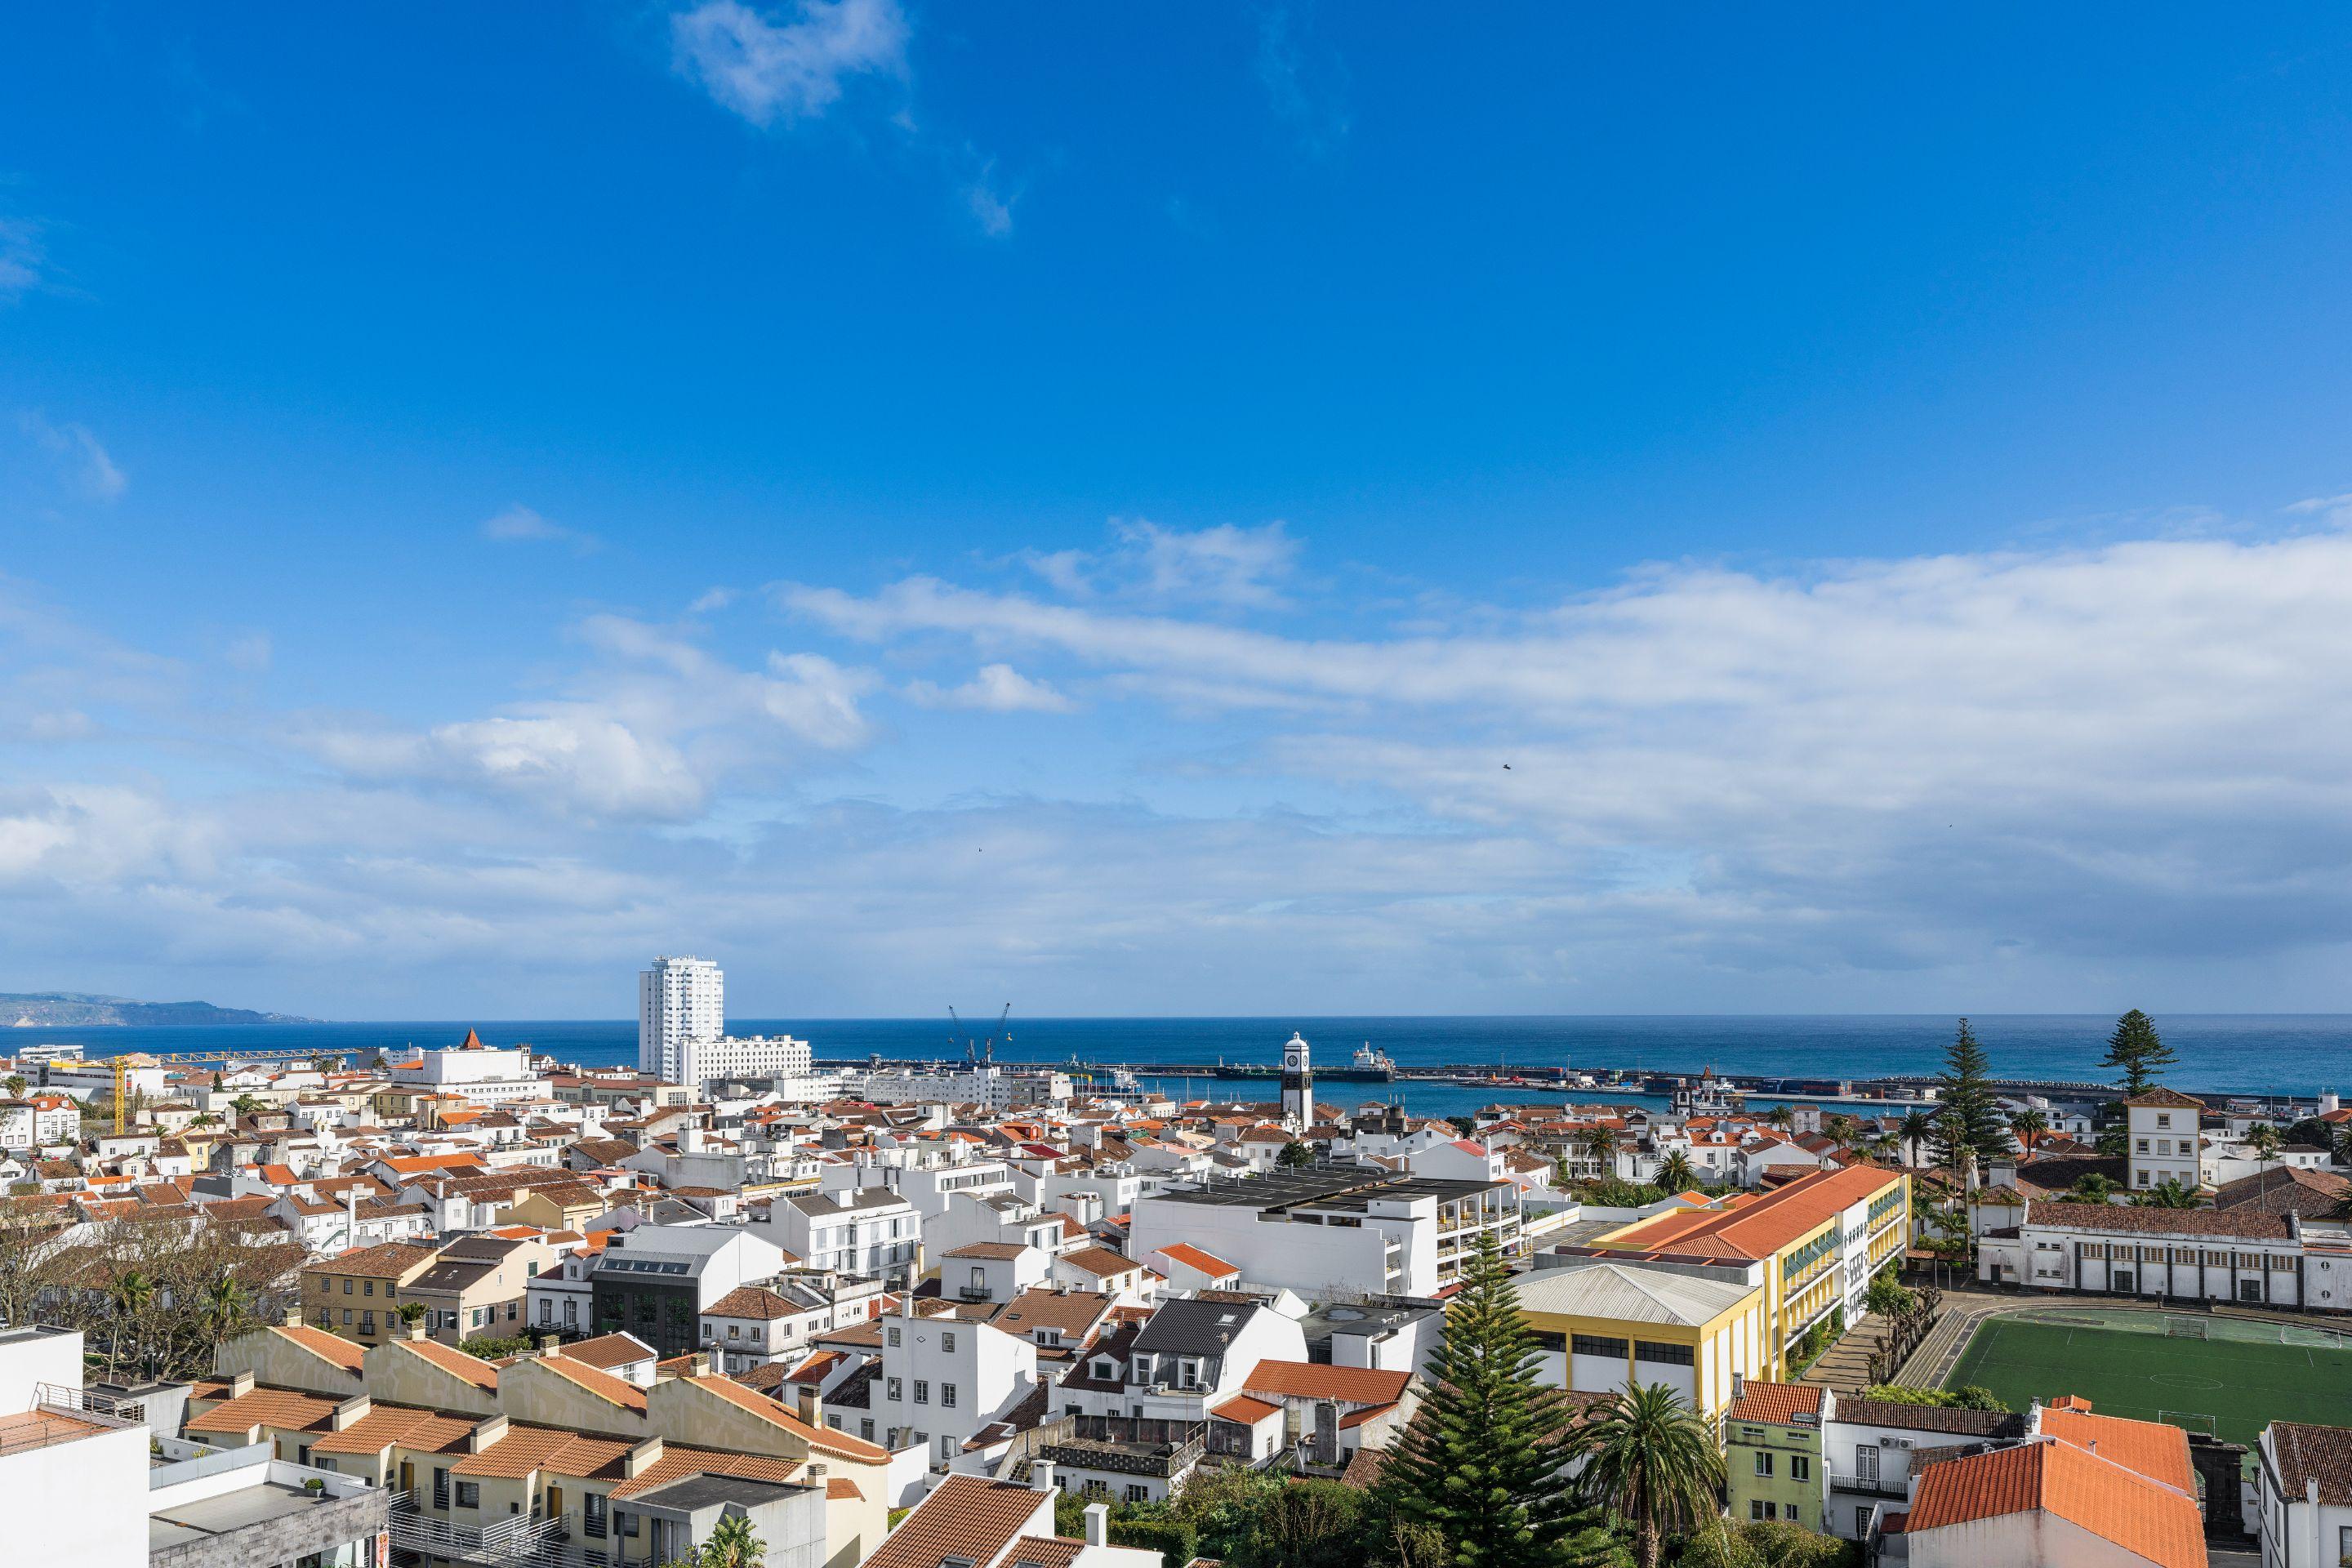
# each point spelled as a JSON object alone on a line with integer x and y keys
{"x": 1974, "y": 1396}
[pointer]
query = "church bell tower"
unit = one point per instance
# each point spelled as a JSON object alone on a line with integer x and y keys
{"x": 1297, "y": 1085}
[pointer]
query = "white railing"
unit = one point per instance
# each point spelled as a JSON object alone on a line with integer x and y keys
{"x": 511, "y": 1543}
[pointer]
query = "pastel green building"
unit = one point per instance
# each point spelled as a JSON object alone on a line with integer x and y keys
{"x": 1772, "y": 1452}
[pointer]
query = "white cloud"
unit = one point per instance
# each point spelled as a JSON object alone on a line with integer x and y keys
{"x": 1306, "y": 87}
{"x": 649, "y": 731}
{"x": 82, "y": 462}
{"x": 1241, "y": 567}
{"x": 994, "y": 688}
{"x": 22, "y": 256}
{"x": 2026, "y": 780}
{"x": 518, "y": 524}
{"x": 990, "y": 209}
{"x": 250, "y": 653}
{"x": 778, "y": 66}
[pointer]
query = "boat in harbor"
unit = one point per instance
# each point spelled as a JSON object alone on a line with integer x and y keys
{"x": 1369, "y": 1065}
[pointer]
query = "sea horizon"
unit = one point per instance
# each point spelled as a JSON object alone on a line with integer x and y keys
{"x": 2241, "y": 1053}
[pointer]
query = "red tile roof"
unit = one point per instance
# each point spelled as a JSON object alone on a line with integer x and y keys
{"x": 1776, "y": 1404}
{"x": 964, "y": 1517}
{"x": 2109, "y": 1500}
{"x": 1313, "y": 1380}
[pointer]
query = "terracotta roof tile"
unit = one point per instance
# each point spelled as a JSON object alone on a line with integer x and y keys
{"x": 2155, "y": 1450}
{"x": 964, "y": 1517}
{"x": 2109, "y": 1500}
{"x": 470, "y": 1369}
{"x": 1241, "y": 1407}
{"x": 1314, "y": 1380}
{"x": 768, "y": 1410}
{"x": 1776, "y": 1404}
{"x": 598, "y": 1382}
{"x": 2307, "y": 1454}
{"x": 285, "y": 1409}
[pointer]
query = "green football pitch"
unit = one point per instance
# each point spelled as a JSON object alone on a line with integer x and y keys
{"x": 2165, "y": 1367}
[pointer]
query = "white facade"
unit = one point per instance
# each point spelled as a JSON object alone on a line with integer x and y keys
{"x": 867, "y": 1231}
{"x": 743, "y": 1058}
{"x": 680, "y": 1000}
{"x": 74, "y": 1494}
{"x": 481, "y": 1075}
{"x": 942, "y": 1380}
{"x": 2307, "y": 1527}
{"x": 2165, "y": 1144}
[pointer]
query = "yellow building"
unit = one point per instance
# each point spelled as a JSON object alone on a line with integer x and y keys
{"x": 1811, "y": 1247}
{"x": 1603, "y": 1325}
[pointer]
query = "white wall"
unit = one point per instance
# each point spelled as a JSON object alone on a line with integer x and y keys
{"x": 83, "y": 1503}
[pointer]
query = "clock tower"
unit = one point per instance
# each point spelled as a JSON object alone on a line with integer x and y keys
{"x": 1297, "y": 1085}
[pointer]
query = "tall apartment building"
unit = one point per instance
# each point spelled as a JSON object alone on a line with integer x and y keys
{"x": 680, "y": 1001}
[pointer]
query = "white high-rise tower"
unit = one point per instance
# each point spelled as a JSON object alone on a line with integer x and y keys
{"x": 680, "y": 1001}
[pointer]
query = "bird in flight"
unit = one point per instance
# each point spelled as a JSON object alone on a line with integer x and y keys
{"x": 1506, "y": 767}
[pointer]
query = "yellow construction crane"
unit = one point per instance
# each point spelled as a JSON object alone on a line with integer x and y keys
{"x": 127, "y": 1060}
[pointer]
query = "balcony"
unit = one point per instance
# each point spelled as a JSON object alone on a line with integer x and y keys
{"x": 63, "y": 1413}
{"x": 1898, "y": 1488}
{"x": 1131, "y": 1446}
{"x": 511, "y": 1543}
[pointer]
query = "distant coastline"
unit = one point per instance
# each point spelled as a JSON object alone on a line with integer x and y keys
{"x": 80, "y": 1010}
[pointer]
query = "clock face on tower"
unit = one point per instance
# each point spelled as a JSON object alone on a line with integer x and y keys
{"x": 1290, "y": 1060}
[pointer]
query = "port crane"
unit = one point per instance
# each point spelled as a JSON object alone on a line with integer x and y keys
{"x": 123, "y": 1062}
{"x": 984, "y": 1053}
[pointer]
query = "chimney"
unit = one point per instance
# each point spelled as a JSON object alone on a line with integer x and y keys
{"x": 550, "y": 1344}
{"x": 1098, "y": 1524}
{"x": 812, "y": 1405}
{"x": 1738, "y": 1387}
{"x": 351, "y": 1216}
{"x": 1041, "y": 1476}
{"x": 698, "y": 1364}
{"x": 349, "y": 1411}
{"x": 641, "y": 1459}
{"x": 239, "y": 1384}
{"x": 485, "y": 1432}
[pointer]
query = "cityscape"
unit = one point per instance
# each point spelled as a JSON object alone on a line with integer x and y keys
{"x": 869, "y": 784}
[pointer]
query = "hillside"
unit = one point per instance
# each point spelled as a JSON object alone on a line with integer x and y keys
{"x": 73, "y": 1009}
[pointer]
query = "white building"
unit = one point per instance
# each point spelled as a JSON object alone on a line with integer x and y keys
{"x": 480, "y": 1074}
{"x": 943, "y": 1379}
{"x": 869, "y": 1231}
{"x": 1320, "y": 1231}
{"x": 2304, "y": 1508}
{"x": 2164, "y": 1145}
{"x": 754, "y": 1060}
{"x": 2218, "y": 1255}
{"x": 680, "y": 1000}
{"x": 993, "y": 1088}
{"x": 38, "y": 1121}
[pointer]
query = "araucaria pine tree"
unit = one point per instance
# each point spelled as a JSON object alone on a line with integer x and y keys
{"x": 2137, "y": 1053}
{"x": 1481, "y": 1464}
{"x": 1968, "y": 1116}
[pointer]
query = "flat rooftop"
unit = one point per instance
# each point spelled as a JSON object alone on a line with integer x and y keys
{"x": 1324, "y": 1190}
{"x": 241, "y": 1509}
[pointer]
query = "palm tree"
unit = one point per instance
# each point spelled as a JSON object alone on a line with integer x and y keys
{"x": 410, "y": 1313}
{"x": 1675, "y": 1173}
{"x": 130, "y": 1295}
{"x": 227, "y": 1305}
{"x": 244, "y": 1105}
{"x": 1650, "y": 1459}
{"x": 1599, "y": 1144}
{"x": 1781, "y": 1117}
{"x": 2266, "y": 1141}
{"x": 15, "y": 1085}
{"x": 2091, "y": 1188}
{"x": 2169, "y": 1194}
{"x": 731, "y": 1544}
{"x": 2029, "y": 1125}
{"x": 1918, "y": 1128}
{"x": 1843, "y": 1131}
{"x": 204, "y": 1118}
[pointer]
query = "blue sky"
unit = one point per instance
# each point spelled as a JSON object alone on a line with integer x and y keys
{"x": 934, "y": 504}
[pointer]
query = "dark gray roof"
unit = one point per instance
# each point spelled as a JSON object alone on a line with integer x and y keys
{"x": 1190, "y": 1327}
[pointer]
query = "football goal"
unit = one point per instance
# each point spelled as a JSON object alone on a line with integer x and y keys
{"x": 2187, "y": 1420}
{"x": 2186, "y": 1327}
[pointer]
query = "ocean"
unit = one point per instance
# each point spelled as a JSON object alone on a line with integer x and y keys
{"x": 2246, "y": 1053}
